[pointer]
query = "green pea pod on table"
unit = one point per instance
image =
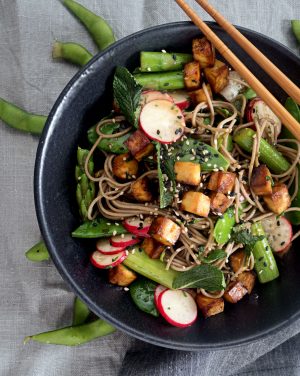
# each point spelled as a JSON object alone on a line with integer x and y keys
{"x": 296, "y": 29}
{"x": 80, "y": 312}
{"x": 72, "y": 52}
{"x": 38, "y": 253}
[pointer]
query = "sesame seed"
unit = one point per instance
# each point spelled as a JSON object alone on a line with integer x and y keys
{"x": 117, "y": 224}
{"x": 124, "y": 158}
{"x": 141, "y": 216}
{"x": 146, "y": 203}
{"x": 108, "y": 224}
{"x": 149, "y": 69}
{"x": 164, "y": 51}
{"x": 133, "y": 176}
{"x": 126, "y": 252}
{"x": 114, "y": 233}
{"x": 150, "y": 157}
{"x": 187, "y": 142}
{"x": 192, "y": 158}
{"x": 178, "y": 158}
{"x": 126, "y": 289}
{"x": 122, "y": 236}
{"x": 133, "y": 251}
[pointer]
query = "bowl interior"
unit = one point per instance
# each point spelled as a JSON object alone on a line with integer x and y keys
{"x": 83, "y": 102}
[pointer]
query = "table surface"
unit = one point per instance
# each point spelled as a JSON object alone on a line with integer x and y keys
{"x": 34, "y": 297}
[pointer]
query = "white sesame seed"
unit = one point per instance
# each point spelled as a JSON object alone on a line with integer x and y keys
{"x": 148, "y": 69}
{"x": 146, "y": 203}
{"x": 122, "y": 236}
{"x": 192, "y": 158}
{"x": 126, "y": 289}
{"x": 178, "y": 158}
{"x": 124, "y": 158}
{"x": 164, "y": 51}
{"x": 117, "y": 224}
{"x": 141, "y": 216}
{"x": 126, "y": 252}
{"x": 114, "y": 233}
{"x": 108, "y": 224}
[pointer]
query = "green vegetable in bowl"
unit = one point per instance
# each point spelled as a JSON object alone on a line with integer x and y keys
{"x": 161, "y": 80}
{"x": 162, "y": 61}
{"x": 142, "y": 293}
{"x": 98, "y": 228}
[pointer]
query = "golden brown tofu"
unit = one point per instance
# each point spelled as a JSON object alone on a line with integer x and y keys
{"x": 196, "y": 203}
{"x": 191, "y": 75}
{"x": 152, "y": 248}
{"x": 140, "y": 190}
{"x": 237, "y": 260}
{"x": 234, "y": 292}
{"x": 125, "y": 167}
{"x": 219, "y": 203}
{"x": 137, "y": 142}
{"x": 187, "y": 172}
{"x": 261, "y": 181}
{"x": 203, "y": 52}
{"x": 165, "y": 231}
{"x": 247, "y": 279}
{"x": 222, "y": 182}
{"x": 209, "y": 306}
{"x": 148, "y": 149}
{"x": 121, "y": 276}
{"x": 279, "y": 200}
{"x": 199, "y": 96}
{"x": 217, "y": 76}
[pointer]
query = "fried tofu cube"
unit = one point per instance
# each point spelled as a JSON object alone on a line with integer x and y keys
{"x": 140, "y": 190}
{"x": 209, "y": 306}
{"x": 261, "y": 181}
{"x": 199, "y": 96}
{"x": 125, "y": 167}
{"x": 234, "y": 292}
{"x": 152, "y": 248}
{"x": 222, "y": 182}
{"x": 137, "y": 142}
{"x": 247, "y": 279}
{"x": 217, "y": 76}
{"x": 191, "y": 75}
{"x": 279, "y": 200}
{"x": 219, "y": 203}
{"x": 237, "y": 260}
{"x": 164, "y": 230}
{"x": 148, "y": 149}
{"x": 196, "y": 203}
{"x": 187, "y": 172}
{"x": 121, "y": 276}
{"x": 203, "y": 52}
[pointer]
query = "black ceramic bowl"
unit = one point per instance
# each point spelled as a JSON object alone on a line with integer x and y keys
{"x": 84, "y": 101}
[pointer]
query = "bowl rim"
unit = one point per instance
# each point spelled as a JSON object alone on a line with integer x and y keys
{"x": 42, "y": 220}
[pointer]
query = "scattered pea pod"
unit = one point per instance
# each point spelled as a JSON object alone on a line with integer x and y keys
{"x": 80, "y": 312}
{"x": 38, "y": 253}
{"x": 72, "y": 52}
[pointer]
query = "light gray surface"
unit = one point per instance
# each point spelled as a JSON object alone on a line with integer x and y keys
{"x": 33, "y": 296}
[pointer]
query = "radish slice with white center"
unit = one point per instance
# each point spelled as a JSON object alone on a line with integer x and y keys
{"x": 279, "y": 233}
{"x": 107, "y": 261}
{"x": 124, "y": 240}
{"x": 162, "y": 121}
{"x": 151, "y": 95}
{"x": 137, "y": 226}
{"x": 181, "y": 98}
{"x": 177, "y": 307}
{"x": 158, "y": 290}
{"x": 104, "y": 246}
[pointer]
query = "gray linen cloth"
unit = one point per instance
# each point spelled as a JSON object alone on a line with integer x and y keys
{"x": 34, "y": 297}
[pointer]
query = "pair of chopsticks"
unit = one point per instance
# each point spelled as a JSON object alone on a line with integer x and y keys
{"x": 282, "y": 80}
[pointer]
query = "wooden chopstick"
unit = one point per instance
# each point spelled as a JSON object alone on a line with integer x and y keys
{"x": 282, "y": 80}
{"x": 286, "y": 118}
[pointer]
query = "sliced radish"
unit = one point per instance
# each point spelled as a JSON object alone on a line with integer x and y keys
{"x": 234, "y": 87}
{"x": 107, "y": 261}
{"x": 104, "y": 246}
{"x": 258, "y": 110}
{"x": 137, "y": 226}
{"x": 177, "y": 307}
{"x": 181, "y": 98}
{"x": 151, "y": 95}
{"x": 162, "y": 121}
{"x": 124, "y": 240}
{"x": 158, "y": 290}
{"x": 279, "y": 233}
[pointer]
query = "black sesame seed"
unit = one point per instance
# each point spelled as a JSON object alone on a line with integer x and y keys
{"x": 158, "y": 131}
{"x": 265, "y": 264}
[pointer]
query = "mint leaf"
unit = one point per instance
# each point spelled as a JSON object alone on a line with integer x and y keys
{"x": 127, "y": 93}
{"x": 206, "y": 277}
{"x": 241, "y": 234}
{"x": 216, "y": 254}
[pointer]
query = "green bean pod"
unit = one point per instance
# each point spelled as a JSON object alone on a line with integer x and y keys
{"x": 20, "y": 119}
{"x": 265, "y": 263}
{"x": 267, "y": 153}
{"x": 72, "y": 52}
{"x": 161, "y": 81}
{"x": 80, "y": 312}
{"x": 38, "y": 253}
{"x": 296, "y": 29}
{"x": 98, "y": 28}
{"x": 162, "y": 61}
{"x": 99, "y": 228}
{"x": 74, "y": 335}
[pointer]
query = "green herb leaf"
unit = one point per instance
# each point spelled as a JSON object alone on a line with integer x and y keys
{"x": 142, "y": 293}
{"x": 216, "y": 254}
{"x": 243, "y": 235}
{"x": 127, "y": 93}
{"x": 99, "y": 228}
{"x": 207, "y": 277}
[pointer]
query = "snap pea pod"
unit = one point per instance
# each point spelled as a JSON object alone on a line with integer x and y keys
{"x": 161, "y": 81}
{"x": 72, "y": 52}
{"x": 80, "y": 312}
{"x": 249, "y": 93}
{"x": 267, "y": 153}
{"x": 38, "y": 253}
{"x": 74, "y": 335}
{"x": 20, "y": 119}
{"x": 265, "y": 263}
{"x": 98, "y": 228}
{"x": 229, "y": 142}
{"x": 296, "y": 29}
{"x": 162, "y": 61}
{"x": 110, "y": 145}
{"x": 142, "y": 293}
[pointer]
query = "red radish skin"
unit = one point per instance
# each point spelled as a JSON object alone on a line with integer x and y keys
{"x": 181, "y": 99}
{"x": 103, "y": 246}
{"x": 162, "y": 121}
{"x": 102, "y": 261}
{"x": 124, "y": 240}
{"x": 279, "y": 233}
{"x": 151, "y": 95}
{"x": 177, "y": 307}
{"x": 158, "y": 290}
{"x": 137, "y": 226}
